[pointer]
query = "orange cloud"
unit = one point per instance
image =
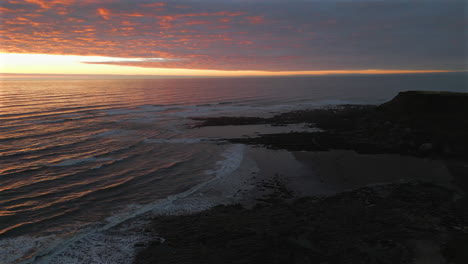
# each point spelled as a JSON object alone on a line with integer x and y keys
{"x": 196, "y": 22}
{"x": 4, "y": 10}
{"x": 51, "y": 3}
{"x": 104, "y": 13}
{"x": 236, "y": 14}
{"x": 39, "y": 2}
{"x": 154, "y": 5}
{"x": 134, "y": 15}
{"x": 256, "y": 19}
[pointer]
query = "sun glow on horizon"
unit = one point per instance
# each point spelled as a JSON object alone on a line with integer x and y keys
{"x": 73, "y": 64}
{"x": 16, "y": 63}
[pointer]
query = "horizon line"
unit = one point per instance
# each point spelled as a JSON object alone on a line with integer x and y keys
{"x": 228, "y": 74}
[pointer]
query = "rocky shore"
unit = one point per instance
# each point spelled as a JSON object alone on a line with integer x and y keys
{"x": 399, "y": 222}
{"x": 413, "y": 123}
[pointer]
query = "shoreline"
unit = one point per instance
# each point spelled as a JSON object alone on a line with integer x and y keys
{"x": 319, "y": 199}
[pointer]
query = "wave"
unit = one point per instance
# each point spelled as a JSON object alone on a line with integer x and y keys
{"x": 233, "y": 158}
{"x": 62, "y": 189}
{"x": 160, "y": 108}
{"x": 72, "y": 162}
{"x": 14, "y": 250}
{"x": 112, "y": 132}
{"x": 49, "y": 134}
{"x": 151, "y": 113}
{"x": 215, "y": 104}
{"x": 19, "y": 178}
{"x": 37, "y": 149}
{"x": 23, "y": 166}
{"x": 54, "y": 112}
{"x": 63, "y": 120}
{"x": 173, "y": 110}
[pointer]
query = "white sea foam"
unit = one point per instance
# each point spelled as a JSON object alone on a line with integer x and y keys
{"x": 116, "y": 247}
{"x": 14, "y": 249}
{"x": 142, "y": 109}
{"x": 233, "y": 158}
{"x": 145, "y": 113}
{"x": 228, "y": 108}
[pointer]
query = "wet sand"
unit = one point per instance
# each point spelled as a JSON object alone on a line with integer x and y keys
{"x": 346, "y": 169}
{"x": 326, "y": 173}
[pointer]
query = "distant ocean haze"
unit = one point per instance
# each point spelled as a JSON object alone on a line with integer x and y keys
{"x": 80, "y": 155}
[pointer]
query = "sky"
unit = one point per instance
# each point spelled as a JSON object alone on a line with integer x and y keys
{"x": 231, "y": 37}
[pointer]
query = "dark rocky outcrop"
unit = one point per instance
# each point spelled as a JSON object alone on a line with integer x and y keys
{"x": 413, "y": 123}
{"x": 424, "y": 102}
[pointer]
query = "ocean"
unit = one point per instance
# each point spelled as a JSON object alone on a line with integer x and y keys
{"x": 83, "y": 163}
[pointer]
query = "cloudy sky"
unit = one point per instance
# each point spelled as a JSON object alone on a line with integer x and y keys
{"x": 142, "y": 36}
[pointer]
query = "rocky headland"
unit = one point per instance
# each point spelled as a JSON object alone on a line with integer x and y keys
{"x": 413, "y": 123}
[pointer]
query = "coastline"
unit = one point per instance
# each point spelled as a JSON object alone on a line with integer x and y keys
{"x": 341, "y": 197}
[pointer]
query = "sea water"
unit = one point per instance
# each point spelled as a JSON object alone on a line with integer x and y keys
{"x": 85, "y": 163}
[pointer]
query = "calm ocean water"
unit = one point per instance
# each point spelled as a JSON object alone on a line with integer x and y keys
{"x": 79, "y": 157}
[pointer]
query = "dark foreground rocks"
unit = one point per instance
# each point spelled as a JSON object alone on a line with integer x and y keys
{"x": 398, "y": 223}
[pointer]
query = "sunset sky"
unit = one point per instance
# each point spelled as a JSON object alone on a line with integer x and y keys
{"x": 227, "y": 37}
